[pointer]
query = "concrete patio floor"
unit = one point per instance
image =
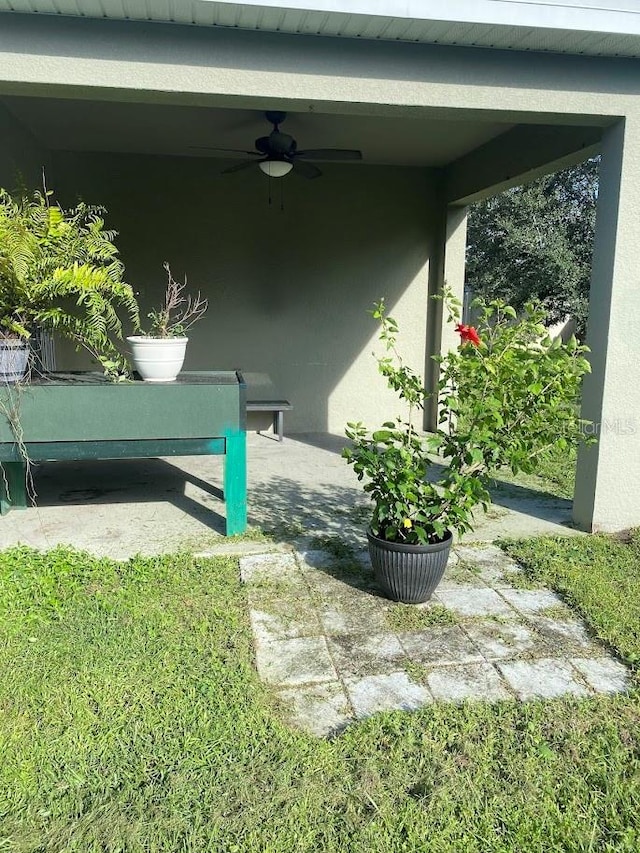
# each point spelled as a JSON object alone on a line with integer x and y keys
{"x": 298, "y": 487}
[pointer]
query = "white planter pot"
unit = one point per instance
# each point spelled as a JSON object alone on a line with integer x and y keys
{"x": 14, "y": 358}
{"x": 158, "y": 359}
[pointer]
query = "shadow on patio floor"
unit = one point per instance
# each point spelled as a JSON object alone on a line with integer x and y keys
{"x": 297, "y": 487}
{"x": 123, "y": 481}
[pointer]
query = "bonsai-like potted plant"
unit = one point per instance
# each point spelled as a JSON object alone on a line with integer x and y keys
{"x": 59, "y": 270}
{"x": 158, "y": 355}
{"x": 507, "y": 395}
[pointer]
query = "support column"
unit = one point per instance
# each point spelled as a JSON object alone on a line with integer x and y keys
{"x": 448, "y": 270}
{"x": 607, "y": 495}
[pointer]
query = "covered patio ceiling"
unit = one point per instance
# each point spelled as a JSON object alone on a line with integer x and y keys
{"x": 187, "y": 131}
{"x": 460, "y": 139}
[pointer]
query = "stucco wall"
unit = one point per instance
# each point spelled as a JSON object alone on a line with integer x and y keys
{"x": 21, "y": 158}
{"x": 289, "y": 289}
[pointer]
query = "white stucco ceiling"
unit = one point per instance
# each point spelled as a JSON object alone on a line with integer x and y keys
{"x": 81, "y": 125}
{"x": 592, "y": 27}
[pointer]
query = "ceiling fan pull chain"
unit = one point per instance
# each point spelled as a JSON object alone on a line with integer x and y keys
{"x": 269, "y": 188}
{"x": 281, "y": 197}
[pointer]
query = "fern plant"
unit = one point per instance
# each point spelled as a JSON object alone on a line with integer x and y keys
{"x": 59, "y": 270}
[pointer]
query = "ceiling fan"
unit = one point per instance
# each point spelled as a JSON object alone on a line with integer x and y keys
{"x": 279, "y": 153}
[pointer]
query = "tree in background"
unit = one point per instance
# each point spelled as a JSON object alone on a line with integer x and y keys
{"x": 536, "y": 241}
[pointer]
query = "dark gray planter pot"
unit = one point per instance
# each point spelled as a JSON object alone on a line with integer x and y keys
{"x": 14, "y": 358}
{"x": 408, "y": 573}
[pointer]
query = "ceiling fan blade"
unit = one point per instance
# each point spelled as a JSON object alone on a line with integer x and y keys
{"x": 227, "y": 150}
{"x": 307, "y": 170}
{"x": 329, "y": 154}
{"x": 238, "y": 167}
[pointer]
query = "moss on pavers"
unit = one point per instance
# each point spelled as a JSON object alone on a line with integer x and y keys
{"x": 409, "y": 617}
{"x": 481, "y": 554}
{"x": 604, "y": 675}
{"x": 275, "y": 615}
{"x": 566, "y": 637}
{"x": 458, "y": 577}
{"x": 334, "y": 546}
{"x": 274, "y": 567}
{"x": 547, "y": 678}
{"x": 479, "y": 681}
{"x": 359, "y": 656}
{"x": 319, "y": 709}
{"x": 326, "y": 574}
{"x": 348, "y": 615}
{"x": 506, "y": 640}
{"x": 531, "y": 600}
{"x": 303, "y": 660}
{"x": 440, "y": 646}
{"x": 492, "y": 565}
{"x": 394, "y": 691}
{"x": 417, "y": 672}
{"x": 475, "y": 601}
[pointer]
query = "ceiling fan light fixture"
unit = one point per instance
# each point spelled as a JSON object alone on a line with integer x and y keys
{"x": 275, "y": 168}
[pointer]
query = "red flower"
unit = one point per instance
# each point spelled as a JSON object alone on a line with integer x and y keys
{"x": 468, "y": 333}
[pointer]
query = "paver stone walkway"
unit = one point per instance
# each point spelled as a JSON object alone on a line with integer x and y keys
{"x": 335, "y": 651}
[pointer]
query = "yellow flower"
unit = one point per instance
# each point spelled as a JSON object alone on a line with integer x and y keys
{"x": 407, "y": 523}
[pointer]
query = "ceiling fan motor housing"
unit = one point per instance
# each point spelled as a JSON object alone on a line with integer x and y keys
{"x": 276, "y": 144}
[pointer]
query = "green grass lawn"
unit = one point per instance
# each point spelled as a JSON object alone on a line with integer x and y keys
{"x": 131, "y": 719}
{"x": 599, "y": 576}
{"x": 555, "y": 474}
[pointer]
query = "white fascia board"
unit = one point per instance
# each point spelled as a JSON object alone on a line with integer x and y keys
{"x": 600, "y": 16}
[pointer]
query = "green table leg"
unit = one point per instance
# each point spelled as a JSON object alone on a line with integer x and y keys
{"x": 13, "y": 487}
{"x": 235, "y": 482}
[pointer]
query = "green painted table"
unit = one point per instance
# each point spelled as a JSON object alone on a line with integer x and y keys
{"x": 73, "y": 416}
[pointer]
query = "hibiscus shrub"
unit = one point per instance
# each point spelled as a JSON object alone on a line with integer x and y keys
{"x": 507, "y": 394}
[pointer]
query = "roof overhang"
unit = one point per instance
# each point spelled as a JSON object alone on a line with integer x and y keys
{"x": 592, "y": 27}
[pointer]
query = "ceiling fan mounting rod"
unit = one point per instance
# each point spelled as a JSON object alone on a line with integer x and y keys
{"x": 275, "y": 117}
